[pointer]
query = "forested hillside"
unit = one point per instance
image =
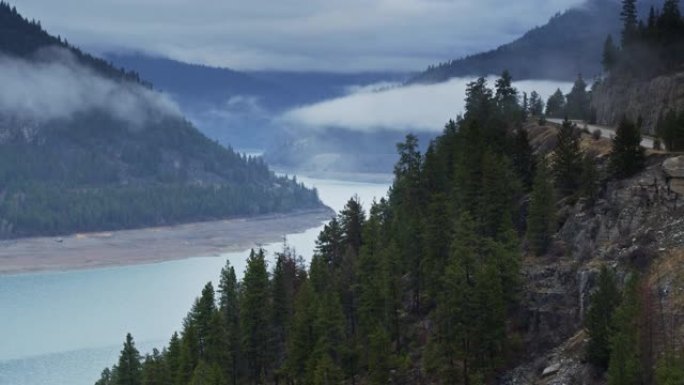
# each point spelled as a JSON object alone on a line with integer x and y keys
{"x": 85, "y": 147}
{"x": 427, "y": 286}
{"x": 569, "y": 44}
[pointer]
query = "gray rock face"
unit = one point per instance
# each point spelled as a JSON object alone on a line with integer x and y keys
{"x": 614, "y": 98}
{"x": 674, "y": 169}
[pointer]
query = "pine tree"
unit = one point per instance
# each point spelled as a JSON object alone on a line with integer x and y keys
{"x": 577, "y": 105}
{"x": 523, "y": 158}
{"x": 627, "y": 156}
{"x": 610, "y": 54}
{"x": 155, "y": 370}
{"x": 107, "y": 377}
{"x": 254, "y": 312}
{"x": 567, "y": 159}
{"x": 352, "y": 218}
{"x": 536, "y": 104}
{"x": 229, "y": 308}
{"x": 555, "y": 106}
{"x": 599, "y": 319}
{"x": 624, "y": 365}
{"x": 129, "y": 369}
{"x": 629, "y": 20}
{"x": 541, "y": 218}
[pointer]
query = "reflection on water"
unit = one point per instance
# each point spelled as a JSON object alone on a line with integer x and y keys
{"x": 64, "y": 327}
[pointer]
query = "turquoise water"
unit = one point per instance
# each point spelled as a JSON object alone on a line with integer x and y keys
{"x": 63, "y": 328}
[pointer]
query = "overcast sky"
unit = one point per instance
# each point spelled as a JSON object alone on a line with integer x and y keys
{"x": 338, "y": 35}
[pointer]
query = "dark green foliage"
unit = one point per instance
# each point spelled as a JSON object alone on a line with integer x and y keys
{"x": 154, "y": 370}
{"x": 627, "y": 156}
{"x": 629, "y": 20}
{"x": 93, "y": 171}
{"x": 599, "y": 319}
{"x": 229, "y": 309}
{"x": 555, "y": 106}
{"x": 523, "y": 158}
{"x": 670, "y": 129}
{"x": 577, "y": 105}
{"x": 610, "y": 54}
{"x": 653, "y": 47}
{"x": 541, "y": 223}
{"x": 357, "y": 315}
{"x": 624, "y": 366}
{"x": 129, "y": 369}
{"x": 567, "y": 159}
{"x": 536, "y": 107}
{"x": 254, "y": 323}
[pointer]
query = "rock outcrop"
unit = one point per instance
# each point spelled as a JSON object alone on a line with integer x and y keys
{"x": 674, "y": 171}
{"x": 613, "y": 98}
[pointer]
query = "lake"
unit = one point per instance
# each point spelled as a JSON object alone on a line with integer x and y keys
{"x": 63, "y": 328}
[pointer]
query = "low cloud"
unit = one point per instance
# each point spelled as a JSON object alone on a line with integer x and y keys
{"x": 53, "y": 85}
{"x": 419, "y": 108}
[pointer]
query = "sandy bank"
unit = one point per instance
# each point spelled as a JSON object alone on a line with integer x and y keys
{"x": 126, "y": 247}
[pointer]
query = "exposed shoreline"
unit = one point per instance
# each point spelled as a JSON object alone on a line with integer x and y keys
{"x": 149, "y": 245}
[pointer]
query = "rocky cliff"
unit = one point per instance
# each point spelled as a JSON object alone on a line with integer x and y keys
{"x": 614, "y": 98}
{"x": 636, "y": 223}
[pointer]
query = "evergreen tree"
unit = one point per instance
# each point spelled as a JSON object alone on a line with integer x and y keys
{"x": 577, "y": 105}
{"x": 230, "y": 311}
{"x": 155, "y": 370}
{"x": 567, "y": 159}
{"x": 555, "y": 106}
{"x": 536, "y": 104}
{"x": 629, "y": 20}
{"x": 610, "y": 54}
{"x": 129, "y": 369}
{"x": 541, "y": 218}
{"x": 172, "y": 356}
{"x": 599, "y": 319}
{"x": 624, "y": 365}
{"x": 523, "y": 158}
{"x": 627, "y": 156}
{"x": 506, "y": 99}
{"x": 254, "y": 312}
{"x": 107, "y": 377}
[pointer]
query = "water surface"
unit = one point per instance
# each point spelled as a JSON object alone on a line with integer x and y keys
{"x": 63, "y": 328}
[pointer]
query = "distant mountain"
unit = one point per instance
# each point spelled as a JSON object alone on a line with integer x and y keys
{"x": 239, "y": 107}
{"x": 85, "y": 146}
{"x": 569, "y": 44}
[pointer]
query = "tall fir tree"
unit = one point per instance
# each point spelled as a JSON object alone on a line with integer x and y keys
{"x": 624, "y": 365}
{"x": 567, "y": 159}
{"x": 599, "y": 319}
{"x": 626, "y": 156}
{"x": 129, "y": 369}
{"x": 254, "y": 313}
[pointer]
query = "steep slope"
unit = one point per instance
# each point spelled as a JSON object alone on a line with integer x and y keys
{"x": 570, "y": 43}
{"x": 85, "y": 146}
{"x": 238, "y": 107}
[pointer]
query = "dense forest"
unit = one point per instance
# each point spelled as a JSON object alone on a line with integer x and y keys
{"x": 96, "y": 169}
{"x": 424, "y": 287}
{"x": 649, "y": 47}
